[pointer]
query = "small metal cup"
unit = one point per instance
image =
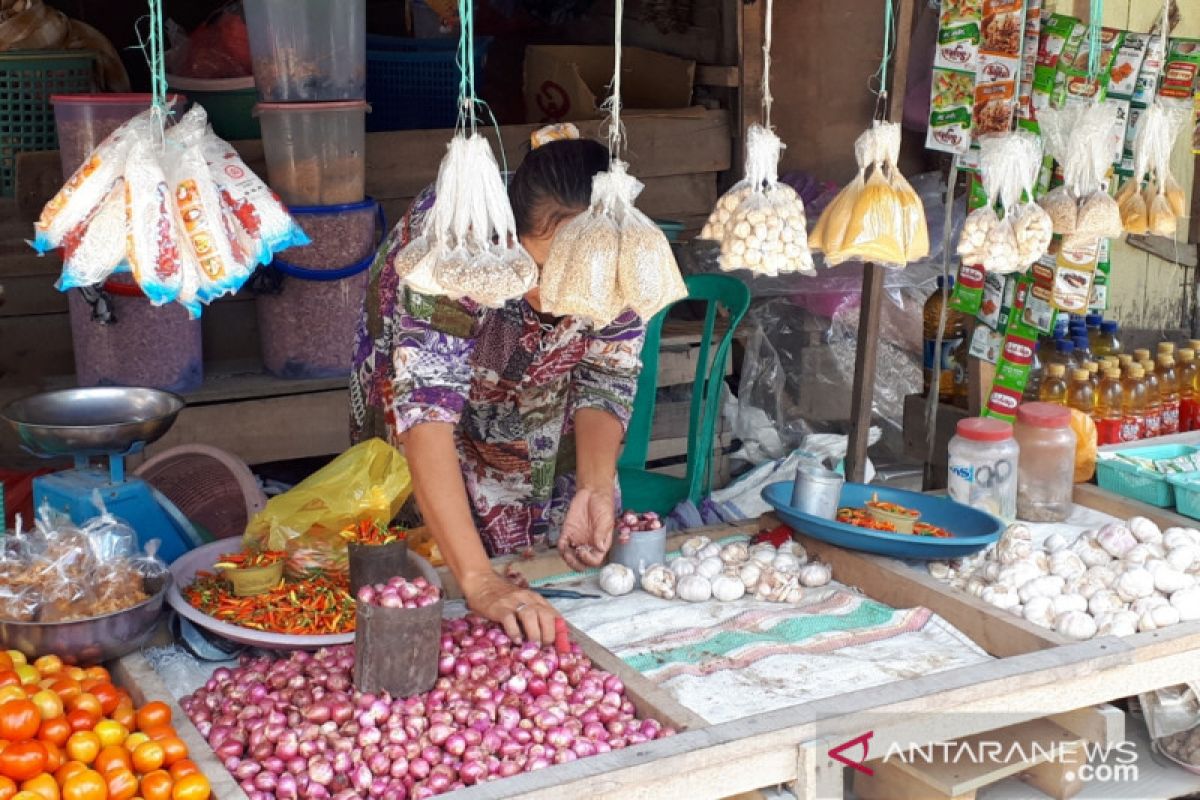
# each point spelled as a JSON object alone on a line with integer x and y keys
{"x": 817, "y": 491}
{"x": 643, "y": 549}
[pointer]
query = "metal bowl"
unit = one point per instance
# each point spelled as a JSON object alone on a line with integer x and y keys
{"x": 92, "y": 421}
{"x": 92, "y": 640}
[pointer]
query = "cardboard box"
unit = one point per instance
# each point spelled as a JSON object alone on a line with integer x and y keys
{"x": 568, "y": 83}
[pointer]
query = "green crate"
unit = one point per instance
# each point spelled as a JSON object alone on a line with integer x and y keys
{"x": 27, "y": 79}
{"x": 1130, "y": 481}
{"x": 1187, "y": 494}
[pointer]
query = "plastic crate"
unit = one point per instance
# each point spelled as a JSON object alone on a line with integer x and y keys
{"x": 1187, "y": 494}
{"x": 27, "y": 79}
{"x": 1141, "y": 484}
{"x": 412, "y": 84}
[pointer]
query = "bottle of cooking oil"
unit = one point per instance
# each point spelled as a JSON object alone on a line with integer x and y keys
{"x": 1141, "y": 354}
{"x": 1054, "y": 385}
{"x": 1107, "y": 343}
{"x": 1168, "y": 390}
{"x": 1093, "y": 368}
{"x": 1107, "y": 415}
{"x": 1133, "y": 404}
{"x": 1194, "y": 346}
{"x": 1124, "y": 361}
{"x": 1187, "y": 374}
{"x": 954, "y": 335}
{"x": 1081, "y": 395}
{"x": 1153, "y": 400}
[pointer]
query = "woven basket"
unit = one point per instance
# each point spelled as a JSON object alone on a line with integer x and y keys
{"x": 213, "y": 489}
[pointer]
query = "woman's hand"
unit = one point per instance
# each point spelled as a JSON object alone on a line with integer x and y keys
{"x": 524, "y": 614}
{"x": 587, "y": 530}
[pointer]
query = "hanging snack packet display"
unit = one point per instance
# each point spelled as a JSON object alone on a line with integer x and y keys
{"x": 878, "y": 216}
{"x": 1079, "y": 139}
{"x": 1009, "y": 165}
{"x": 96, "y": 248}
{"x": 760, "y": 222}
{"x": 1151, "y": 200}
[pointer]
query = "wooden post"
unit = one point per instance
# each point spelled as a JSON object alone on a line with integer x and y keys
{"x": 863, "y": 391}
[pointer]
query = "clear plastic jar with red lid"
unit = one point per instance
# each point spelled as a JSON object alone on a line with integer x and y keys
{"x": 982, "y": 466}
{"x": 1046, "y": 472}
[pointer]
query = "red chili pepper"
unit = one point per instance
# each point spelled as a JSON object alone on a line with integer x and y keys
{"x": 562, "y": 639}
{"x": 781, "y": 534}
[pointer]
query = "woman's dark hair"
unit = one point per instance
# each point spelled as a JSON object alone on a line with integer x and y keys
{"x": 555, "y": 182}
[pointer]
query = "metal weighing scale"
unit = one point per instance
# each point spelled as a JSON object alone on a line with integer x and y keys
{"x": 104, "y": 422}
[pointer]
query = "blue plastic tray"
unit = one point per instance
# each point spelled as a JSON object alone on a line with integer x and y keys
{"x": 972, "y": 530}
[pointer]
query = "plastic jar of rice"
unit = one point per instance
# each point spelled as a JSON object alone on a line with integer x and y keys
{"x": 307, "y": 323}
{"x": 125, "y": 341}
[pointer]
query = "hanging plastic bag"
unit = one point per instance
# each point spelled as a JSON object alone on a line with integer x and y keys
{"x": 154, "y": 236}
{"x": 96, "y": 247}
{"x": 648, "y": 278}
{"x": 1158, "y": 208}
{"x": 370, "y": 481}
{"x": 1009, "y": 164}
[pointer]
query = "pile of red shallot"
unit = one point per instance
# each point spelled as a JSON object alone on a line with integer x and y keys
{"x": 400, "y": 593}
{"x": 294, "y": 727}
{"x": 632, "y": 522}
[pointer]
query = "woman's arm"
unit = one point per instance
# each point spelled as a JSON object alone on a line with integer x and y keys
{"x": 445, "y": 507}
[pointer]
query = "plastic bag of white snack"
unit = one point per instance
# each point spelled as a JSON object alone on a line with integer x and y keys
{"x": 154, "y": 236}
{"x": 87, "y": 188}
{"x": 96, "y": 247}
{"x": 648, "y": 278}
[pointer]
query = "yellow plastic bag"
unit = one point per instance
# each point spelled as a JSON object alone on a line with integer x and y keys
{"x": 1085, "y": 445}
{"x": 369, "y": 481}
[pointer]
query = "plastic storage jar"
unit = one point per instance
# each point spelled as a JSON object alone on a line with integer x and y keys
{"x": 308, "y": 50}
{"x": 315, "y": 152}
{"x": 307, "y": 323}
{"x": 982, "y": 469}
{"x": 136, "y": 344}
{"x": 229, "y": 103}
{"x": 1046, "y": 475}
{"x": 85, "y": 120}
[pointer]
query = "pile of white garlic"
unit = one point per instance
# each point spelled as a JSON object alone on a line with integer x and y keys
{"x": 1117, "y": 580}
{"x": 707, "y": 570}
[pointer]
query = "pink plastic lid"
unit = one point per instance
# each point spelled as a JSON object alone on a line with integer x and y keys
{"x": 337, "y": 105}
{"x": 1044, "y": 415}
{"x": 107, "y": 99}
{"x": 983, "y": 429}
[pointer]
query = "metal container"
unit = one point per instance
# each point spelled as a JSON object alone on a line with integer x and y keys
{"x": 378, "y": 563}
{"x": 100, "y": 420}
{"x": 643, "y": 549}
{"x": 93, "y": 640}
{"x": 817, "y": 491}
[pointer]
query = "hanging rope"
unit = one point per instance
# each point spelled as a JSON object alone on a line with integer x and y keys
{"x": 1095, "y": 18}
{"x": 152, "y": 48}
{"x": 881, "y": 75}
{"x": 616, "y": 135}
{"x": 767, "y": 99}
{"x": 467, "y": 99}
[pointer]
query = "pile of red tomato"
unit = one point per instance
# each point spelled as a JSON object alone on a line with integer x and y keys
{"x": 68, "y": 733}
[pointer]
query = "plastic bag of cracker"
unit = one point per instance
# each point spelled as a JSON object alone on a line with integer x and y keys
{"x": 1161, "y": 204}
{"x": 1060, "y": 203}
{"x": 154, "y": 238}
{"x": 760, "y": 222}
{"x": 1090, "y": 156}
{"x": 648, "y": 278}
{"x": 96, "y": 247}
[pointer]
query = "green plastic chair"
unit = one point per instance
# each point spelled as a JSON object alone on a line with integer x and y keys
{"x": 642, "y": 490}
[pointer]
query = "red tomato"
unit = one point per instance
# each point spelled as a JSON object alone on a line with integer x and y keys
{"x": 23, "y": 760}
{"x": 19, "y": 719}
{"x": 81, "y": 720}
{"x": 56, "y": 730}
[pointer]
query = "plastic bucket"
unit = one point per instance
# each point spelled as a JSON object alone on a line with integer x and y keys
{"x": 315, "y": 152}
{"x": 85, "y": 120}
{"x": 308, "y": 50}
{"x": 143, "y": 345}
{"x": 229, "y": 103}
{"x": 307, "y": 327}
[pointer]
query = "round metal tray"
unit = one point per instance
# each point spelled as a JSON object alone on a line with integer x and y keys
{"x": 95, "y": 421}
{"x": 92, "y": 640}
{"x": 184, "y": 570}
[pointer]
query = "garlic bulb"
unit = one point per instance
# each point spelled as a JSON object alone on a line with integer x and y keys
{"x": 710, "y": 567}
{"x": 1134, "y": 584}
{"x": 710, "y": 550}
{"x": 764, "y": 555}
{"x": 1002, "y": 597}
{"x": 1116, "y": 539}
{"x": 1055, "y": 542}
{"x": 1045, "y": 586}
{"x": 1119, "y": 623}
{"x": 659, "y": 581}
{"x": 1068, "y": 602}
{"x": 1150, "y": 603}
{"x": 786, "y": 562}
{"x": 1010, "y": 550}
{"x": 1018, "y": 574}
{"x": 1041, "y": 560}
{"x": 682, "y": 566}
{"x": 815, "y": 574}
{"x": 1158, "y": 617}
{"x": 796, "y": 549}
{"x": 991, "y": 571}
{"x": 940, "y": 570}
{"x": 1040, "y": 611}
{"x": 617, "y": 579}
{"x": 1176, "y": 537}
{"x": 735, "y": 553}
{"x": 1169, "y": 580}
{"x": 750, "y": 574}
{"x": 1184, "y": 557}
{"x": 1105, "y": 601}
{"x": 1147, "y": 551}
{"x": 1018, "y": 530}
{"x": 1067, "y": 564}
{"x": 1187, "y": 603}
{"x": 694, "y": 589}
{"x": 975, "y": 587}
{"x": 693, "y": 546}
{"x": 1077, "y": 625}
{"x": 1144, "y": 530}
{"x": 1090, "y": 552}
{"x": 727, "y": 589}
{"x": 957, "y": 582}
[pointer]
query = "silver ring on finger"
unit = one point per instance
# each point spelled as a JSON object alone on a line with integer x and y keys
{"x": 520, "y": 607}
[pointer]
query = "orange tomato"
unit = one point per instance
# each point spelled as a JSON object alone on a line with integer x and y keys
{"x": 6, "y": 662}
{"x": 122, "y": 784}
{"x": 25, "y": 795}
{"x": 69, "y": 769}
{"x": 49, "y": 704}
{"x": 9, "y": 677}
{"x": 181, "y": 769}
{"x": 75, "y": 673}
{"x": 49, "y": 665}
{"x": 156, "y": 785}
{"x": 99, "y": 673}
{"x": 7, "y": 787}
{"x": 191, "y": 787}
{"x": 125, "y": 715}
{"x": 44, "y": 786}
{"x": 56, "y": 730}
{"x": 174, "y": 750}
{"x": 83, "y": 746}
{"x": 54, "y": 756}
{"x": 86, "y": 701}
{"x": 66, "y": 688}
{"x": 81, "y": 720}
{"x": 28, "y": 674}
{"x": 23, "y": 760}
{"x": 110, "y": 732}
{"x": 12, "y": 693}
{"x": 153, "y": 715}
{"x": 160, "y": 733}
{"x": 150, "y": 756}
{"x": 87, "y": 785}
{"x": 19, "y": 719}
{"x": 112, "y": 757}
{"x": 108, "y": 696}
